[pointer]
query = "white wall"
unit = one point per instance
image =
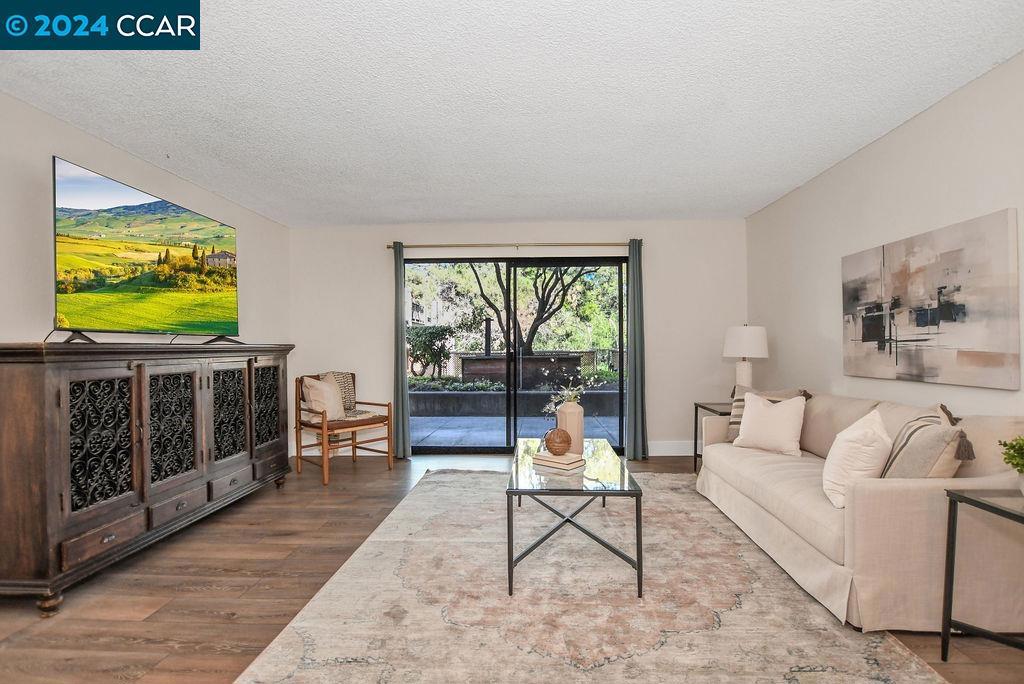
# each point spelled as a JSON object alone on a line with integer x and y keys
{"x": 960, "y": 159}
{"x": 695, "y": 282}
{"x": 28, "y": 138}
{"x": 694, "y": 287}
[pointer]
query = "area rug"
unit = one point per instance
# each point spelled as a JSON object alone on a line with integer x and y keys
{"x": 425, "y": 599}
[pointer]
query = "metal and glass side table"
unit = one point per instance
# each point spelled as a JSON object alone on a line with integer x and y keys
{"x": 1006, "y": 503}
{"x": 717, "y": 408}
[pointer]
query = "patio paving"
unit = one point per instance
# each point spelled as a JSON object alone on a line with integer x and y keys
{"x": 489, "y": 431}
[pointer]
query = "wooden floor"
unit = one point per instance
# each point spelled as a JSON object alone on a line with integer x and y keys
{"x": 199, "y": 606}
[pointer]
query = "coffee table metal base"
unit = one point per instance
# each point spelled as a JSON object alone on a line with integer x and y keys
{"x": 570, "y": 519}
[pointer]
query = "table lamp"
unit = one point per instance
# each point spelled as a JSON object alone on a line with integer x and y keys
{"x": 745, "y": 342}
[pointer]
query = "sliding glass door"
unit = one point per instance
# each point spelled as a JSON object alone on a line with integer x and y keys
{"x": 568, "y": 334}
{"x": 491, "y": 340}
{"x": 459, "y": 371}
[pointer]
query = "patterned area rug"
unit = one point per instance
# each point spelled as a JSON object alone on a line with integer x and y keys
{"x": 425, "y": 599}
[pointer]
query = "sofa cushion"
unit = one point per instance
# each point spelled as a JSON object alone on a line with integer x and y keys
{"x": 739, "y": 393}
{"x": 926, "y": 446}
{"x": 985, "y": 433}
{"x": 895, "y": 416}
{"x": 826, "y": 415}
{"x": 859, "y": 451}
{"x": 771, "y": 426}
{"x": 787, "y": 487}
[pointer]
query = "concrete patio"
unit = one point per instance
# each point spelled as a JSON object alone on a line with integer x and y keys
{"x": 489, "y": 431}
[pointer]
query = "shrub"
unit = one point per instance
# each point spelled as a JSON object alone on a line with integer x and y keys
{"x": 1013, "y": 453}
{"x": 186, "y": 281}
{"x": 184, "y": 274}
{"x": 428, "y": 347}
{"x": 163, "y": 273}
{"x": 84, "y": 281}
{"x": 421, "y": 384}
{"x": 601, "y": 376}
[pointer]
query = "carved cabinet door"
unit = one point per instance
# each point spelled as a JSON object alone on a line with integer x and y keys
{"x": 99, "y": 443}
{"x": 269, "y": 407}
{"x": 172, "y": 424}
{"x": 228, "y": 414}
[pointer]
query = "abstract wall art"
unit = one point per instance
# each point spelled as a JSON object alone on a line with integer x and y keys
{"x": 942, "y": 306}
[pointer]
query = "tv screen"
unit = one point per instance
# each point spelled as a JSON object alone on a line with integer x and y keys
{"x": 131, "y": 262}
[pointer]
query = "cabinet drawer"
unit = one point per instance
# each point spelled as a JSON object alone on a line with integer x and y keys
{"x": 183, "y": 504}
{"x": 270, "y": 465}
{"x": 229, "y": 483}
{"x": 94, "y": 542}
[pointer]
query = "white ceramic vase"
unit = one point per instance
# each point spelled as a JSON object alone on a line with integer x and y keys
{"x": 569, "y": 417}
{"x": 1020, "y": 482}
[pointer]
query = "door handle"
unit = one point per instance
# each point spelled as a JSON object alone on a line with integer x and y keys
{"x": 108, "y": 538}
{"x": 180, "y": 505}
{"x": 233, "y": 482}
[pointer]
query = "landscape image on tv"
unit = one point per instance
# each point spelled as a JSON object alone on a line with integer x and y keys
{"x": 130, "y": 262}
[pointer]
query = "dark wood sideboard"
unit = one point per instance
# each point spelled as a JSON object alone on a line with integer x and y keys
{"x": 108, "y": 448}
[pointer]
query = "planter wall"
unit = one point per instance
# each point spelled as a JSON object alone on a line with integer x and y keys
{"x": 544, "y": 369}
{"x": 531, "y": 403}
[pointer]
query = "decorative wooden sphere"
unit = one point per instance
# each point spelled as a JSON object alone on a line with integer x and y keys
{"x": 557, "y": 441}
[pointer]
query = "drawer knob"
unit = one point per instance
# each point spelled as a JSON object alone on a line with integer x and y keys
{"x": 107, "y": 538}
{"x": 181, "y": 504}
{"x": 233, "y": 482}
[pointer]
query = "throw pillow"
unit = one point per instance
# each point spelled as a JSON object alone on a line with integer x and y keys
{"x": 346, "y": 384}
{"x": 323, "y": 396}
{"x": 771, "y": 426}
{"x": 738, "y": 394}
{"x": 895, "y": 415}
{"x": 928, "y": 446}
{"x": 858, "y": 452}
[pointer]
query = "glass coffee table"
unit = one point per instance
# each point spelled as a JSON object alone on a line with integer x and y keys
{"x": 604, "y": 475}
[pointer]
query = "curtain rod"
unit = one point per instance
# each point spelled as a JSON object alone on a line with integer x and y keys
{"x": 516, "y": 245}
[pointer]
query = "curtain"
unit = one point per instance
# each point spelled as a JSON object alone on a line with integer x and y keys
{"x": 403, "y": 442}
{"x": 636, "y": 413}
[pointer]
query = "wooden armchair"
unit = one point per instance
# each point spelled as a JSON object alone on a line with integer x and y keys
{"x": 333, "y": 435}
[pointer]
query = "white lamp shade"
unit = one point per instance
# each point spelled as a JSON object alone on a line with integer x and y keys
{"x": 746, "y": 341}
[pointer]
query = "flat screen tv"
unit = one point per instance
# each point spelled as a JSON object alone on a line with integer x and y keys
{"x": 134, "y": 263}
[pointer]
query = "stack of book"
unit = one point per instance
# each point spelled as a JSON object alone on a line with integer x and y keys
{"x": 563, "y": 463}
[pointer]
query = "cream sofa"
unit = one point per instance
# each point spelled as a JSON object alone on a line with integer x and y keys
{"x": 878, "y": 563}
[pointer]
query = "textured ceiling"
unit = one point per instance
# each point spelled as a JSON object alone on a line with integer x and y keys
{"x": 376, "y": 111}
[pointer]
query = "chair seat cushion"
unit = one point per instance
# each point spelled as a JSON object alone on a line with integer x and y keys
{"x": 352, "y": 419}
{"x": 787, "y": 487}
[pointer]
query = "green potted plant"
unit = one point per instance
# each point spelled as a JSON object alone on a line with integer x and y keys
{"x": 1013, "y": 453}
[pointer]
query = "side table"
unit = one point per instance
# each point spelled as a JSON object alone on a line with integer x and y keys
{"x": 1006, "y": 503}
{"x": 718, "y": 408}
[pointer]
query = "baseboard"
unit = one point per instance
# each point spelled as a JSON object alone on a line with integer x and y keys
{"x": 670, "y": 448}
{"x": 657, "y": 448}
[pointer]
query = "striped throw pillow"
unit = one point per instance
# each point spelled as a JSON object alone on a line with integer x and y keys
{"x": 346, "y": 384}
{"x": 774, "y": 396}
{"x": 927, "y": 446}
